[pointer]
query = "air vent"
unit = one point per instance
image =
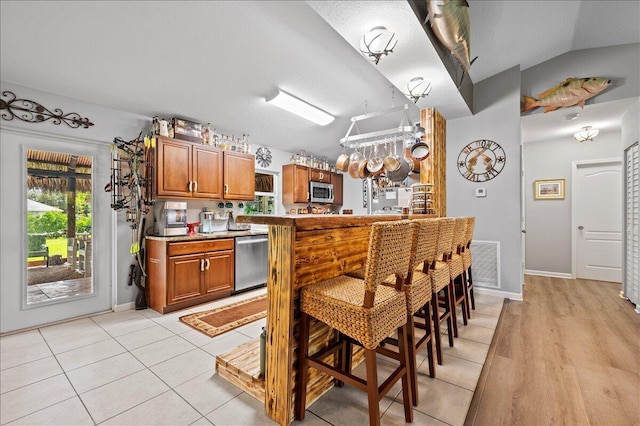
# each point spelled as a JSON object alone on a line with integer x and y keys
{"x": 486, "y": 263}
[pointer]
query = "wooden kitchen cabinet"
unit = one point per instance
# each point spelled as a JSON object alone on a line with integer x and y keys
{"x": 336, "y": 181}
{"x": 186, "y": 273}
{"x": 295, "y": 184}
{"x": 239, "y": 176}
{"x": 316, "y": 175}
{"x": 187, "y": 170}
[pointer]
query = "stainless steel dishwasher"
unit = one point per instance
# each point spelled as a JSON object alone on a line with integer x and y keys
{"x": 251, "y": 262}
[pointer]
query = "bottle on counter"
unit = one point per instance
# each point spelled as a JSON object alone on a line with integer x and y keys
{"x": 155, "y": 126}
{"x": 164, "y": 128}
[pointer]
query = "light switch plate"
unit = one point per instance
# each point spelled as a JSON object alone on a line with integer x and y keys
{"x": 481, "y": 192}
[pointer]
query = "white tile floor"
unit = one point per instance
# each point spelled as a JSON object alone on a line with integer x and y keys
{"x": 143, "y": 368}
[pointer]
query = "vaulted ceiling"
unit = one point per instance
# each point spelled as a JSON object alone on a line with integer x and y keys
{"x": 216, "y": 61}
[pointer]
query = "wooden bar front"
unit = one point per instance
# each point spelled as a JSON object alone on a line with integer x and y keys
{"x": 304, "y": 250}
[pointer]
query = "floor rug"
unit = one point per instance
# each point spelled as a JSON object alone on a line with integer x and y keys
{"x": 225, "y": 318}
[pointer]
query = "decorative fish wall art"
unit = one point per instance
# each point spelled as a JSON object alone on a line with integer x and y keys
{"x": 449, "y": 21}
{"x": 572, "y": 91}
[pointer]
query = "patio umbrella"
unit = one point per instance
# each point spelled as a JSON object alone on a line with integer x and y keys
{"x": 34, "y": 206}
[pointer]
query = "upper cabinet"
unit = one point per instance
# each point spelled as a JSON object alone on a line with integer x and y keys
{"x": 336, "y": 181}
{"x": 188, "y": 170}
{"x": 295, "y": 183}
{"x": 239, "y": 176}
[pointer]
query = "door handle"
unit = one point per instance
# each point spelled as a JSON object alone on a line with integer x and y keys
{"x": 201, "y": 265}
{"x": 226, "y": 188}
{"x": 581, "y": 227}
{"x": 189, "y": 186}
{"x": 208, "y": 264}
{"x": 195, "y": 186}
{"x": 524, "y": 231}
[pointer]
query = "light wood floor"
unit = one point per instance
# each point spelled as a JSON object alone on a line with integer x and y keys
{"x": 568, "y": 354}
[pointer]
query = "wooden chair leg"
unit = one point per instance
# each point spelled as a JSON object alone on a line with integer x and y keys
{"x": 302, "y": 376}
{"x": 429, "y": 331}
{"x": 372, "y": 386}
{"x": 453, "y": 319}
{"x": 467, "y": 293}
{"x": 436, "y": 325}
{"x": 412, "y": 367}
{"x": 470, "y": 285}
{"x": 407, "y": 393}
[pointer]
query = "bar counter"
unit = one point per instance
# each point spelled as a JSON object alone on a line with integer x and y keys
{"x": 304, "y": 249}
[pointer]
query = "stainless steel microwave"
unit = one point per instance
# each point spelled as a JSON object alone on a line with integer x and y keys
{"x": 320, "y": 192}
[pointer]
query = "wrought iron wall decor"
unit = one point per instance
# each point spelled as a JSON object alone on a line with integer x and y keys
{"x": 33, "y": 112}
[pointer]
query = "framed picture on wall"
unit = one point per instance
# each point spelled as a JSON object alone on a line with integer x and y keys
{"x": 551, "y": 189}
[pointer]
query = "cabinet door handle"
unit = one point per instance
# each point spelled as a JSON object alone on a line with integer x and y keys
{"x": 195, "y": 186}
{"x": 226, "y": 188}
{"x": 189, "y": 185}
{"x": 201, "y": 265}
{"x": 208, "y": 264}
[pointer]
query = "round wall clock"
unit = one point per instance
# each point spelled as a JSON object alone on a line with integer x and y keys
{"x": 263, "y": 156}
{"x": 481, "y": 160}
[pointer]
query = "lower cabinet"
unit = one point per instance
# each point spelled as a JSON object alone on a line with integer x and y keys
{"x": 186, "y": 273}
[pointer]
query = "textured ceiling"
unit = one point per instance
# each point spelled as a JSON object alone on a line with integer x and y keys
{"x": 216, "y": 61}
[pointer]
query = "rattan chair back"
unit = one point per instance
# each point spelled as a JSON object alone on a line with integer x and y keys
{"x": 459, "y": 235}
{"x": 390, "y": 249}
{"x": 427, "y": 241}
{"x": 471, "y": 224}
{"x": 445, "y": 238}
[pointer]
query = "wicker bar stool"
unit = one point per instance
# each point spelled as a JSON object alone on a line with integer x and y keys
{"x": 458, "y": 282}
{"x": 364, "y": 313}
{"x": 418, "y": 291}
{"x": 441, "y": 290}
{"x": 466, "y": 263}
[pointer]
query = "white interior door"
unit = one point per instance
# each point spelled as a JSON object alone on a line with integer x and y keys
{"x": 597, "y": 213}
{"x": 16, "y": 312}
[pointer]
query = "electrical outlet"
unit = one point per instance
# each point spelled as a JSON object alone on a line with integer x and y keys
{"x": 481, "y": 192}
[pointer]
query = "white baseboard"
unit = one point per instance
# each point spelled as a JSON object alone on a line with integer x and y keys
{"x": 124, "y": 307}
{"x": 498, "y": 293}
{"x": 548, "y": 274}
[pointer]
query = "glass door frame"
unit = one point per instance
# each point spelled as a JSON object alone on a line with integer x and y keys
{"x": 15, "y": 313}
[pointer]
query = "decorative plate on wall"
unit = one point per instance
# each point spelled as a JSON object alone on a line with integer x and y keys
{"x": 263, "y": 156}
{"x": 481, "y": 160}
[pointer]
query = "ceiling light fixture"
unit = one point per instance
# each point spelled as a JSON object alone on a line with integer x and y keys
{"x": 418, "y": 88}
{"x": 586, "y": 134}
{"x": 377, "y": 43}
{"x": 297, "y": 106}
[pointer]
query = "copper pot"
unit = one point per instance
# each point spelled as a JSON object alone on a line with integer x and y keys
{"x": 391, "y": 162}
{"x": 420, "y": 151}
{"x": 363, "y": 172}
{"x": 353, "y": 169}
{"x": 342, "y": 163}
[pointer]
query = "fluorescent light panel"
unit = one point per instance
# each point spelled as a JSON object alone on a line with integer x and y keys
{"x": 297, "y": 106}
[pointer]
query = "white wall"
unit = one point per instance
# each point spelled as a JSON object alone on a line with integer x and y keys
{"x": 548, "y": 222}
{"x": 497, "y": 117}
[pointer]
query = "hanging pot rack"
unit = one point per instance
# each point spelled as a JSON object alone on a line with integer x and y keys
{"x": 404, "y": 131}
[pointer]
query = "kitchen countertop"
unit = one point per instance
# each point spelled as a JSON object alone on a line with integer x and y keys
{"x": 324, "y": 221}
{"x": 215, "y": 235}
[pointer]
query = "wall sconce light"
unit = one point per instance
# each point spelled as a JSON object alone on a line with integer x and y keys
{"x": 418, "y": 88}
{"x": 586, "y": 134}
{"x": 300, "y": 108}
{"x": 377, "y": 43}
